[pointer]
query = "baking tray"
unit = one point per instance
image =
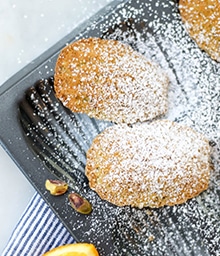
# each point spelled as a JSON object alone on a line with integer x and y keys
{"x": 46, "y": 140}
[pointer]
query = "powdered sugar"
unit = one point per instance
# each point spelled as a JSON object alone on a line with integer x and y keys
{"x": 194, "y": 97}
{"x": 156, "y": 164}
{"x": 155, "y": 29}
{"x": 108, "y": 80}
{"x": 202, "y": 19}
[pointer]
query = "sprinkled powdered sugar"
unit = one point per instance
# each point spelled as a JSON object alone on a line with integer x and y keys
{"x": 194, "y": 96}
{"x": 110, "y": 81}
{"x": 156, "y": 164}
{"x": 202, "y": 20}
{"x": 154, "y": 28}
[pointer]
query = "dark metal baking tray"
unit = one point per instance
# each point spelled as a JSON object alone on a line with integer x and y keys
{"x": 46, "y": 140}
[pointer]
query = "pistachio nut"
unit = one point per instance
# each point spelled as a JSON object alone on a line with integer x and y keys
{"x": 79, "y": 203}
{"x": 56, "y": 187}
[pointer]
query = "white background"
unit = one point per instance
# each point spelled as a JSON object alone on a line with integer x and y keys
{"x": 27, "y": 29}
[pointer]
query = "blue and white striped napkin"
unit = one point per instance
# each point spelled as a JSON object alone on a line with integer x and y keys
{"x": 38, "y": 231}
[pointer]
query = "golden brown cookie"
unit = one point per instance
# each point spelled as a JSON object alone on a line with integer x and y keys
{"x": 202, "y": 20}
{"x": 155, "y": 164}
{"x": 108, "y": 80}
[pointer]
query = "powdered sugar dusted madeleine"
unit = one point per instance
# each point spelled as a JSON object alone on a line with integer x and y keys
{"x": 155, "y": 164}
{"x": 202, "y": 20}
{"x": 108, "y": 80}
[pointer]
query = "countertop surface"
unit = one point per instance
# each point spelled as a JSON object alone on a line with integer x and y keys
{"x": 28, "y": 28}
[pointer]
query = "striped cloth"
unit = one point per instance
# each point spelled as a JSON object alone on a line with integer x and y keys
{"x": 38, "y": 231}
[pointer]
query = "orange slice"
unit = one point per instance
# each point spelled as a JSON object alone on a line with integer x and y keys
{"x": 78, "y": 249}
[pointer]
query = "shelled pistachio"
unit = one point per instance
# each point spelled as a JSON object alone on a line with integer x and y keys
{"x": 79, "y": 203}
{"x": 56, "y": 187}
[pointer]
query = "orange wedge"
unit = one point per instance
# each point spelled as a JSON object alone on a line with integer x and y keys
{"x": 78, "y": 249}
